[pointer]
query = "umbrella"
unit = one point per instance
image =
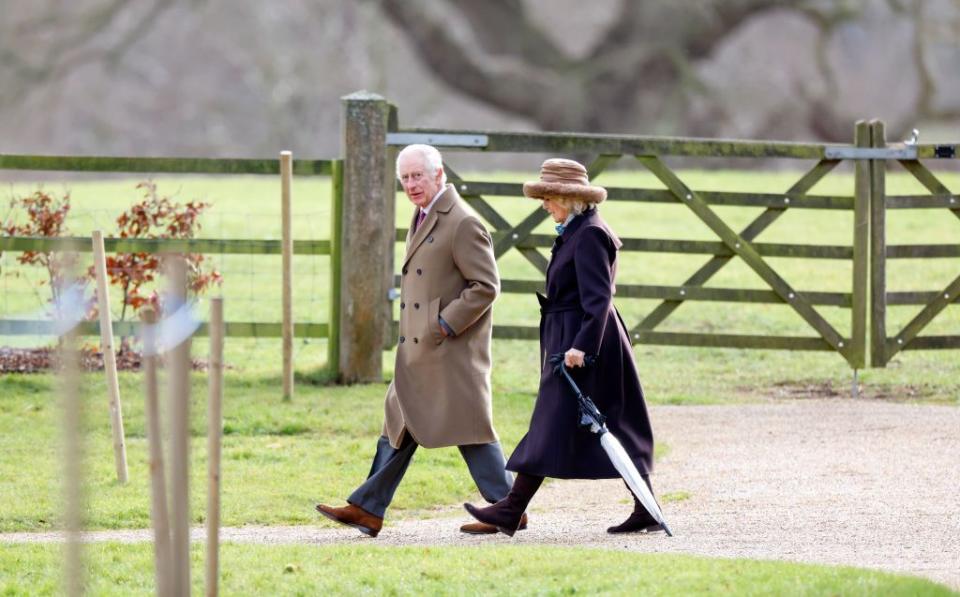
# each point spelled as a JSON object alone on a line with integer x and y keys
{"x": 590, "y": 416}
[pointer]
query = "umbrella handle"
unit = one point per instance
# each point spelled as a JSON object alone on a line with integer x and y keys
{"x": 560, "y": 366}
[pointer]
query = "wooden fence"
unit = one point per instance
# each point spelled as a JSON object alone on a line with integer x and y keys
{"x": 234, "y": 246}
{"x": 867, "y": 250}
{"x": 730, "y": 243}
{"x": 363, "y": 235}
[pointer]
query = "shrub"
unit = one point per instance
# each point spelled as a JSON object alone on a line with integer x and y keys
{"x": 45, "y": 216}
{"x": 157, "y": 216}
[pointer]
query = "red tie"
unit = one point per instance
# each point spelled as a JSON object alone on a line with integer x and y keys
{"x": 420, "y": 218}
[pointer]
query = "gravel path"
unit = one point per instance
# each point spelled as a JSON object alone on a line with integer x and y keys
{"x": 859, "y": 483}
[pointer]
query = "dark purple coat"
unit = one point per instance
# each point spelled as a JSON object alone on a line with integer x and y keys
{"x": 579, "y": 313}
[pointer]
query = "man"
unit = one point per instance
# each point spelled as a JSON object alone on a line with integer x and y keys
{"x": 440, "y": 395}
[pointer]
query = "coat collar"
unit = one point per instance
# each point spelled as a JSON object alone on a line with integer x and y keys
{"x": 444, "y": 204}
{"x": 574, "y": 225}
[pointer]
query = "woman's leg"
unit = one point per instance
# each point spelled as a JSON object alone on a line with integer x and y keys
{"x": 506, "y": 514}
{"x": 639, "y": 520}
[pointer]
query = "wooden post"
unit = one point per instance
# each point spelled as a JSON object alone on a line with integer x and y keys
{"x": 390, "y": 198}
{"x": 861, "y": 247}
{"x": 158, "y": 486}
{"x": 367, "y": 239}
{"x": 214, "y": 430}
{"x": 336, "y": 221}
{"x": 179, "y": 384}
{"x": 73, "y": 465}
{"x": 286, "y": 177}
{"x": 109, "y": 356}
{"x": 878, "y": 251}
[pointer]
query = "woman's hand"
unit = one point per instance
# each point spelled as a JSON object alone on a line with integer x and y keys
{"x": 573, "y": 358}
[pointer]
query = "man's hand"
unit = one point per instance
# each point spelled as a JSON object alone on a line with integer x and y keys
{"x": 573, "y": 358}
{"x": 444, "y": 328}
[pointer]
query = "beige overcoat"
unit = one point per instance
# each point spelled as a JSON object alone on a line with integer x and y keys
{"x": 440, "y": 393}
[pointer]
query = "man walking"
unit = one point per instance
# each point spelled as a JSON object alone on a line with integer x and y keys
{"x": 440, "y": 395}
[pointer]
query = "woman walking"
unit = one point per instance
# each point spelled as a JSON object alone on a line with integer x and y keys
{"x": 579, "y": 320}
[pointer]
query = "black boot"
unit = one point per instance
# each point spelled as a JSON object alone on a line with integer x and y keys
{"x": 506, "y": 514}
{"x": 639, "y": 521}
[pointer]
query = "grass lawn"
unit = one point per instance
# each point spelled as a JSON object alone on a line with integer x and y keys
{"x": 281, "y": 457}
{"x": 116, "y": 569}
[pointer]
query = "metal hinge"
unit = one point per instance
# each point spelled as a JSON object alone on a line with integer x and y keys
{"x": 870, "y": 153}
{"x": 437, "y": 139}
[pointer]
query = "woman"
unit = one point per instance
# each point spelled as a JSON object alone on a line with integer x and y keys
{"x": 579, "y": 320}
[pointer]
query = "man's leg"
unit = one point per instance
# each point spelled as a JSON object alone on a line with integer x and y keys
{"x": 388, "y": 468}
{"x": 488, "y": 469}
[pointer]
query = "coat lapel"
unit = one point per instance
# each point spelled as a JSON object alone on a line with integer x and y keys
{"x": 443, "y": 205}
{"x": 564, "y": 238}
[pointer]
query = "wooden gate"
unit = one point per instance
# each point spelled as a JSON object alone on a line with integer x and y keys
{"x": 649, "y": 151}
{"x": 884, "y": 346}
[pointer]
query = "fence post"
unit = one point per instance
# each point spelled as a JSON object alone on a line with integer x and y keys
{"x": 367, "y": 238}
{"x": 390, "y": 189}
{"x": 878, "y": 250}
{"x": 286, "y": 235}
{"x": 336, "y": 224}
{"x": 861, "y": 247}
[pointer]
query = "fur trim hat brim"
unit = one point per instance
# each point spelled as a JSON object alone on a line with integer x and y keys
{"x": 564, "y": 178}
{"x": 575, "y": 192}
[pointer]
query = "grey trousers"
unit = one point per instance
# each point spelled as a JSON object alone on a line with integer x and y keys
{"x": 485, "y": 461}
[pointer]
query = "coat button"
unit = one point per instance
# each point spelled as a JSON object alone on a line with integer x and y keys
{"x": 416, "y": 305}
{"x": 402, "y": 339}
{"x": 416, "y": 341}
{"x": 404, "y": 271}
{"x": 419, "y": 272}
{"x": 402, "y": 305}
{"x": 429, "y": 239}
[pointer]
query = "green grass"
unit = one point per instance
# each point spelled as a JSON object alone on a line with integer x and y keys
{"x": 282, "y": 457}
{"x": 359, "y": 570}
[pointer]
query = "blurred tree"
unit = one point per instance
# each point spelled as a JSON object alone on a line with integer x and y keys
{"x": 43, "y": 41}
{"x": 640, "y": 70}
{"x": 244, "y": 77}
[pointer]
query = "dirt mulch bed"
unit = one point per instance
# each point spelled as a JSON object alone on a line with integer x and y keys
{"x": 41, "y": 360}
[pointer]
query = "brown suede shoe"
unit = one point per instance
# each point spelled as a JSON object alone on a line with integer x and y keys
{"x": 482, "y": 528}
{"x": 353, "y": 516}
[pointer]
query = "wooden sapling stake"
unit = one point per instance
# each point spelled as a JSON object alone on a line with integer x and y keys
{"x": 286, "y": 179}
{"x": 158, "y": 487}
{"x": 109, "y": 356}
{"x": 214, "y": 432}
{"x": 179, "y": 386}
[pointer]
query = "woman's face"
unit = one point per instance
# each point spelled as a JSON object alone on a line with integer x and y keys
{"x": 557, "y": 211}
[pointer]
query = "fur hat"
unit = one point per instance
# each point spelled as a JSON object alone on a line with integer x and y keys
{"x": 564, "y": 178}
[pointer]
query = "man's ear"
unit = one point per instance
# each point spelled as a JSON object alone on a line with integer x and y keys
{"x": 439, "y": 174}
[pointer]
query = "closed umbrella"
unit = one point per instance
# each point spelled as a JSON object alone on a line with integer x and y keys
{"x": 591, "y": 417}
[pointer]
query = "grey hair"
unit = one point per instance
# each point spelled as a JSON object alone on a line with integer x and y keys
{"x": 431, "y": 157}
{"x": 575, "y": 207}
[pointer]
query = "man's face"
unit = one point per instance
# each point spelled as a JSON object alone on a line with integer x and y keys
{"x": 416, "y": 179}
